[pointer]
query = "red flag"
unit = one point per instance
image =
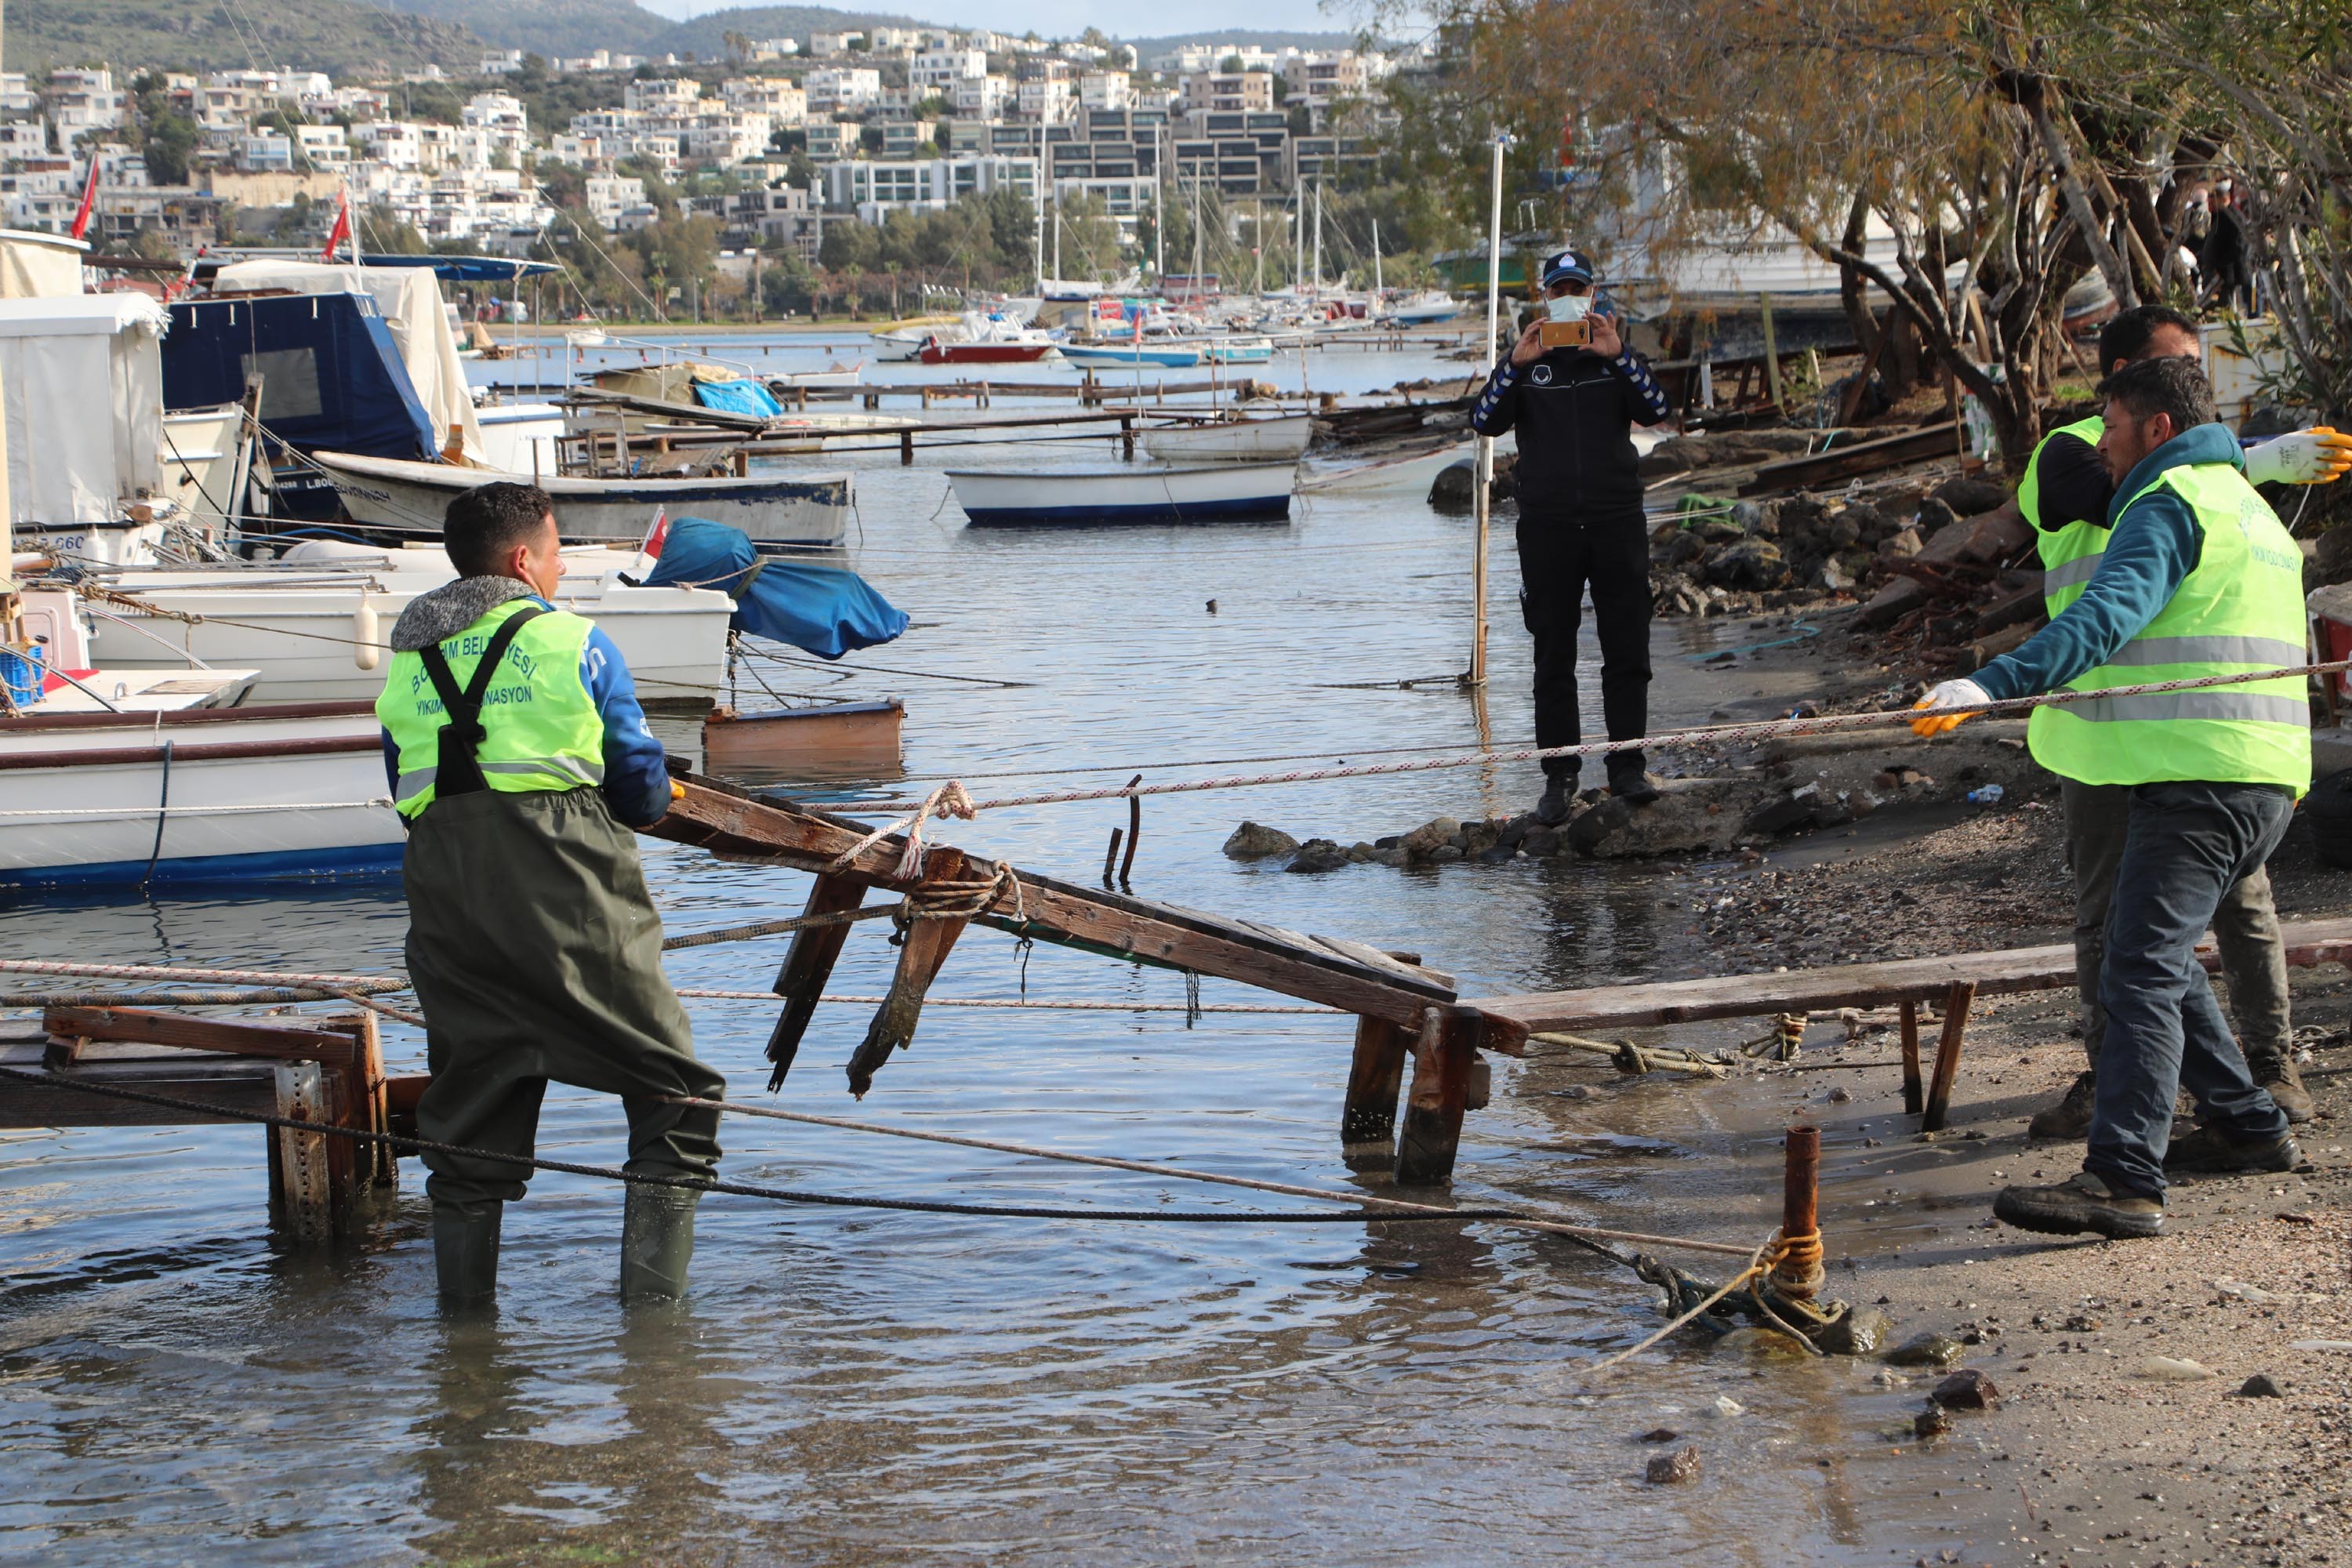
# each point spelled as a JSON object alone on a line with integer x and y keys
{"x": 89, "y": 199}
{"x": 655, "y": 536}
{"x": 342, "y": 230}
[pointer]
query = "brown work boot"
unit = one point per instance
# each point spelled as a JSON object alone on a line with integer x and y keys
{"x": 2277, "y": 1074}
{"x": 2081, "y": 1202}
{"x": 2071, "y": 1117}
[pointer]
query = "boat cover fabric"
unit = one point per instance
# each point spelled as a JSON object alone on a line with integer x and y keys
{"x": 823, "y": 610}
{"x": 409, "y": 300}
{"x": 738, "y": 397}
{"x": 83, "y": 383}
{"x": 332, "y": 376}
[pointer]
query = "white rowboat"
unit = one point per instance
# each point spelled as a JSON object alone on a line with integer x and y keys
{"x": 1221, "y": 493}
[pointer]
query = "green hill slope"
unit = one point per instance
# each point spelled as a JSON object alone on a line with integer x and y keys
{"x": 334, "y": 35}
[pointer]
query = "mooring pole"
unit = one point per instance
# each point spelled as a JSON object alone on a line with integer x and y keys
{"x": 1798, "y": 1275}
{"x": 1483, "y": 475}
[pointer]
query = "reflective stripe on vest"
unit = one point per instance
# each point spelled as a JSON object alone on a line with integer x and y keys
{"x": 542, "y": 730}
{"x": 2070, "y": 553}
{"x": 2239, "y": 611}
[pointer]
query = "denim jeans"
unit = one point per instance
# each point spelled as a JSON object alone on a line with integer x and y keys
{"x": 2184, "y": 846}
{"x": 2245, "y": 928}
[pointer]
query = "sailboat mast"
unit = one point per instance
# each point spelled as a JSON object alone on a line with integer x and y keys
{"x": 1318, "y": 237}
{"x": 1377, "y": 289}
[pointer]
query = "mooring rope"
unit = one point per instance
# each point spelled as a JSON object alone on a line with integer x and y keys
{"x": 1759, "y": 1265}
{"x": 182, "y": 972}
{"x": 1383, "y": 1206}
{"x": 1701, "y": 735}
{"x": 208, "y": 1111}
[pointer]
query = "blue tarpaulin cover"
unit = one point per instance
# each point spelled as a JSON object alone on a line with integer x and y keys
{"x": 823, "y": 610}
{"x": 738, "y": 397}
{"x": 332, "y": 377}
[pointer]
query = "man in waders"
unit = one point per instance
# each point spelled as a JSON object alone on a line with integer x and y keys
{"x": 1580, "y": 491}
{"x": 521, "y": 762}
{"x": 2064, "y": 496}
{"x": 2198, "y": 578}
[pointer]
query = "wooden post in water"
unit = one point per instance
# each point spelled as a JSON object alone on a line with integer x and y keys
{"x": 808, "y": 965}
{"x": 1956, "y": 1003}
{"x": 1915, "y": 1094}
{"x": 924, "y": 948}
{"x": 1798, "y": 1275}
{"x": 1441, "y": 1059}
{"x": 1375, "y": 1082}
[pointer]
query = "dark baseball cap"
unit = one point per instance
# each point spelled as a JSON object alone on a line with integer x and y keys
{"x": 1567, "y": 266}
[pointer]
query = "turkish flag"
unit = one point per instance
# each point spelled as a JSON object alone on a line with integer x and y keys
{"x": 651, "y": 545}
{"x": 342, "y": 231}
{"x": 89, "y": 199}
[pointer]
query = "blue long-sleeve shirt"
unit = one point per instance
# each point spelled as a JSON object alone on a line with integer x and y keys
{"x": 637, "y": 773}
{"x": 2153, "y": 543}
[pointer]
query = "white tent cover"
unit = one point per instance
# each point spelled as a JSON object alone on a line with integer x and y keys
{"x": 81, "y": 378}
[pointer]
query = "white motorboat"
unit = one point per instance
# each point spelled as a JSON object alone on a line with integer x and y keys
{"x": 1219, "y": 492}
{"x": 90, "y": 798}
{"x": 314, "y": 624}
{"x": 778, "y": 512}
{"x": 1426, "y": 308}
{"x": 835, "y": 374}
{"x": 1163, "y": 354}
{"x": 521, "y": 438}
{"x": 1280, "y": 439}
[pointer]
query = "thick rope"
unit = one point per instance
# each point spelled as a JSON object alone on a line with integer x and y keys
{"x": 1757, "y": 1266}
{"x": 948, "y": 800}
{"x": 207, "y": 1111}
{"x": 777, "y": 927}
{"x": 1180, "y": 1173}
{"x": 227, "y": 976}
{"x": 1719, "y": 734}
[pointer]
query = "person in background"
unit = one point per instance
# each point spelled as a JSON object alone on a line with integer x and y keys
{"x": 1580, "y": 522}
{"x": 520, "y": 762}
{"x": 2064, "y": 496}
{"x": 2198, "y": 578}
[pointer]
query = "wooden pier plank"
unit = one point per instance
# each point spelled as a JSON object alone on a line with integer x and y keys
{"x": 808, "y": 965}
{"x": 2002, "y": 972}
{"x": 237, "y": 1085}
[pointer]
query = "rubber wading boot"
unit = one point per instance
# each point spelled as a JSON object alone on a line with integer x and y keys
{"x": 656, "y": 1242}
{"x": 2071, "y": 1117}
{"x": 2082, "y": 1203}
{"x": 466, "y": 1252}
{"x": 1632, "y": 785}
{"x": 2215, "y": 1150}
{"x": 2277, "y": 1074}
{"x": 1558, "y": 794}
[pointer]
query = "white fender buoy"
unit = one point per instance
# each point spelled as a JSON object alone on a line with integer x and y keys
{"x": 366, "y": 652}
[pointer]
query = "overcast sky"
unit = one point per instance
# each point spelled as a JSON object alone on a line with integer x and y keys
{"x": 1067, "y": 18}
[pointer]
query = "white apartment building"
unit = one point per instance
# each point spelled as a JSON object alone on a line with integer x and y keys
{"x": 831, "y": 139}
{"x": 358, "y": 102}
{"x": 783, "y": 102}
{"x": 1049, "y": 103}
{"x": 1228, "y": 92}
{"x": 22, "y": 138}
{"x": 79, "y": 100}
{"x": 774, "y": 48}
{"x": 894, "y": 41}
{"x": 1189, "y": 59}
{"x": 15, "y": 96}
{"x": 265, "y": 152}
{"x": 1318, "y": 77}
{"x": 940, "y": 69}
{"x": 662, "y": 95}
{"x": 982, "y": 97}
{"x": 874, "y": 188}
{"x": 497, "y": 111}
{"x": 499, "y": 62}
{"x": 838, "y": 87}
{"x": 610, "y": 195}
{"x": 722, "y": 140}
{"x": 322, "y": 147}
{"x": 1106, "y": 90}
{"x": 826, "y": 45}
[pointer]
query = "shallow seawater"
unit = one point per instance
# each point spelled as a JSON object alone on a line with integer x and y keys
{"x": 868, "y": 1386}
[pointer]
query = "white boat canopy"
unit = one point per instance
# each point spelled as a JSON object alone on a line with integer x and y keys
{"x": 82, "y": 380}
{"x": 409, "y": 298}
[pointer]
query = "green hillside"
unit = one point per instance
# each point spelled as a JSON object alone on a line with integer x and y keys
{"x": 550, "y": 26}
{"x": 706, "y": 35}
{"x": 335, "y": 36}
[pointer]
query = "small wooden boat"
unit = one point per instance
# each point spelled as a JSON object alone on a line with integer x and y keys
{"x": 834, "y": 740}
{"x": 778, "y": 512}
{"x": 1218, "y": 492}
{"x": 1281, "y": 439}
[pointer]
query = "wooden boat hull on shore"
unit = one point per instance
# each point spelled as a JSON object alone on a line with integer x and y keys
{"x": 320, "y": 764}
{"x": 777, "y": 513}
{"x": 841, "y": 740}
{"x": 1219, "y": 492}
{"x": 982, "y": 352}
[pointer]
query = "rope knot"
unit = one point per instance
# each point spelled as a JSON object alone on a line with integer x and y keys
{"x": 950, "y": 799}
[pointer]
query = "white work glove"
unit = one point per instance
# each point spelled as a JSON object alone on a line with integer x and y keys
{"x": 1941, "y": 703}
{"x": 2319, "y": 457}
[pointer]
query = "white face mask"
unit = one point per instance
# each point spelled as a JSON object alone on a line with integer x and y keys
{"x": 1568, "y": 307}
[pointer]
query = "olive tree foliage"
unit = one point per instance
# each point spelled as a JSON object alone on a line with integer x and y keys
{"x": 1929, "y": 150}
{"x": 2258, "y": 92}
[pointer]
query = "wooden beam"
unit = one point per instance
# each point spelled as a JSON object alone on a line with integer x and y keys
{"x": 1375, "y": 1081}
{"x": 808, "y": 965}
{"x": 922, "y": 949}
{"x": 1956, "y": 1003}
{"x": 187, "y": 1031}
{"x": 1846, "y": 462}
{"x": 736, "y": 827}
{"x": 1441, "y": 1059}
{"x": 1914, "y": 1096}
